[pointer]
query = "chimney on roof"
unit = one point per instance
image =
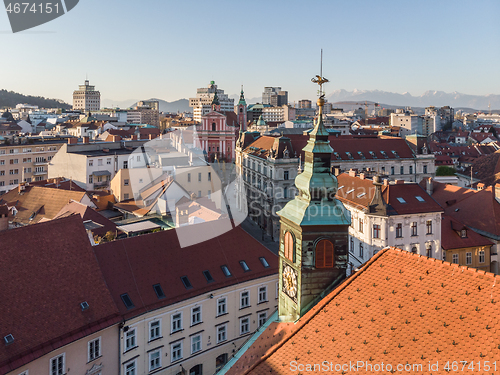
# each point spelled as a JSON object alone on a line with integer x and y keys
{"x": 336, "y": 172}
{"x": 386, "y": 182}
{"x": 85, "y": 140}
{"x": 151, "y": 136}
{"x": 399, "y": 182}
{"x": 428, "y": 186}
{"x": 133, "y": 137}
{"x": 480, "y": 186}
{"x": 378, "y": 206}
{"x": 72, "y": 141}
{"x": 21, "y": 187}
{"x": 362, "y": 176}
{"x": 352, "y": 172}
{"x": 116, "y": 138}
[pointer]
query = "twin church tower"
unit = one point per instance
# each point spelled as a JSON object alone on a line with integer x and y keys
{"x": 314, "y": 229}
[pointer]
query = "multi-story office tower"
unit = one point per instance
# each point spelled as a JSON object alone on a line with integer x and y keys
{"x": 202, "y": 104}
{"x": 304, "y": 103}
{"x": 86, "y": 98}
{"x": 274, "y": 96}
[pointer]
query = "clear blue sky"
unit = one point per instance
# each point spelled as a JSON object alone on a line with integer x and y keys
{"x": 166, "y": 49}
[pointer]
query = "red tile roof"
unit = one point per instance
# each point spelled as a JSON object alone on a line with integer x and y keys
{"x": 399, "y": 308}
{"x": 133, "y": 265}
{"x": 451, "y": 238}
{"x": 446, "y": 195}
{"x": 47, "y": 270}
{"x": 359, "y": 192}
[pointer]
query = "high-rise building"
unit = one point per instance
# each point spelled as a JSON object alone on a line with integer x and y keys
{"x": 202, "y": 104}
{"x": 86, "y": 98}
{"x": 274, "y": 96}
{"x": 304, "y": 103}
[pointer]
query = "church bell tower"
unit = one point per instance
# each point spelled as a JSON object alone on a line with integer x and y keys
{"x": 313, "y": 229}
{"x": 241, "y": 112}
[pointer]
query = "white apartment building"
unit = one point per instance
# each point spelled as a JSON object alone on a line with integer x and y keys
{"x": 194, "y": 306}
{"x": 389, "y": 214}
{"x": 278, "y": 114}
{"x": 409, "y": 122}
{"x": 202, "y": 104}
{"x": 93, "y": 165}
{"x": 86, "y": 98}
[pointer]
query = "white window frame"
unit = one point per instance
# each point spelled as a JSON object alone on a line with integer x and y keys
{"x": 193, "y": 314}
{"x": 157, "y": 360}
{"x": 131, "y": 363}
{"x": 130, "y": 334}
{"x": 222, "y": 329}
{"x": 262, "y": 318}
{"x": 157, "y": 333}
{"x": 199, "y": 343}
{"x": 96, "y": 355}
{"x": 63, "y": 355}
{"x": 242, "y": 325}
{"x": 172, "y": 330}
{"x": 172, "y": 346}
{"x": 221, "y": 302}
{"x": 242, "y": 306}
{"x": 263, "y": 294}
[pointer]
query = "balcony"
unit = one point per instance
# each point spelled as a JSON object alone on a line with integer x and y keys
{"x": 39, "y": 173}
{"x": 44, "y": 162}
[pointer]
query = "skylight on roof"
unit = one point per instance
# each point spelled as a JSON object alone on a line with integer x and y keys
{"x": 208, "y": 276}
{"x": 226, "y": 271}
{"x": 186, "y": 282}
{"x": 84, "y": 305}
{"x": 401, "y": 200}
{"x": 127, "y": 301}
{"x": 340, "y": 187}
{"x": 244, "y": 266}
{"x": 159, "y": 291}
{"x": 360, "y": 195}
{"x": 264, "y": 262}
{"x": 420, "y": 199}
{"x": 350, "y": 191}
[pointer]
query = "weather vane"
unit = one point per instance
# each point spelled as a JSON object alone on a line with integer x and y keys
{"x": 319, "y": 79}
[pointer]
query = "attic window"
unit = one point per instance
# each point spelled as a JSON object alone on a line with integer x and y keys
{"x": 208, "y": 276}
{"x": 84, "y": 305}
{"x": 420, "y": 199}
{"x": 244, "y": 266}
{"x": 384, "y": 154}
{"x": 360, "y": 195}
{"x": 226, "y": 271}
{"x": 361, "y": 154}
{"x": 463, "y": 233}
{"x": 395, "y": 153}
{"x": 9, "y": 339}
{"x": 401, "y": 200}
{"x": 349, "y": 155}
{"x": 159, "y": 291}
{"x": 127, "y": 301}
{"x": 264, "y": 262}
{"x": 186, "y": 282}
{"x": 337, "y": 155}
{"x": 372, "y": 154}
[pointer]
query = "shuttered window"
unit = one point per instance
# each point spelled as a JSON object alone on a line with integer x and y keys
{"x": 289, "y": 246}
{"x": 324, "y": 254}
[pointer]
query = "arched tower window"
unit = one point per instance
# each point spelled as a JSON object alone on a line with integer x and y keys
{"x": 289, "y": 247}
{"x": 324, "y": 254}
{"x": 241, "y": 110}
{"x": 213, "y": 126}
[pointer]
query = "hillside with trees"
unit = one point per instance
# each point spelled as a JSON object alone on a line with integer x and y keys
{"x": 11, "y": 99}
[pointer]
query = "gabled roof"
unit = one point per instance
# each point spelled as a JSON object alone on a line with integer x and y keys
{"x": 446, "y": 195}
{"x": 266, "y": 146}
{"x": 399, "y": 308}
{"x": 133, "y": 265}
{"x": 40, "y": 202}
{"x": 486, "y": 168}
{"x": 46, "y": 271}
{"x": 451, "y": 237}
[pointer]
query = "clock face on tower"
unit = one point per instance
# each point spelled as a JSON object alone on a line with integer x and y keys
{"x": 289, "y": 281}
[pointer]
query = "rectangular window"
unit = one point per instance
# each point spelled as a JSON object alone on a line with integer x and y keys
{"x": 468, "y": 258}
{"x": 352, "y": 245}
{"x": 94, "y": 349}
{"x": 130, "y": 368}
{"x": 263, "y": 294}
{"x": 402, "y": 170}
{"x": 108, "y": 161}
{"x": 481, "y": 256}
{"x": 125, "y": 164}
{"x": 176, "y": 351}
{"x": 99, "y": 162}
{"x": 154, "y": 360}
{"x": 429, "y": 226}
{"x": 262, "y": 318}
{"x": 126, "y": 196}
{"x": 425, "y": 168}
{"x": 221, "y": 306}
{"x": 138, "y": 157}
{"x": 91, "y": 163}
{"x": 176, "y": 322}
{"x": 285, "y": 175}
{"x": 189, "y": 177}
{"x": 221, "y": 333}
{"x": 159, "y": 291}
{"x": 195, "y": 315}
{"x": 454, "y": 258}
{"x": 130, "y": 339}
{"x": 244, "y": 325}
{"x": 126, "y": 182}
{"x": 361, "y": 250}
{"x": 244, "y": 299}
{"x": 399, "y": 230}
{"x": 209, "y": 176}
{"x": 376, "y": 231}
{"x": 360, "y": 225}
{"x": 414, "y": 228}
{"x": 392, "y": 170}
{"x": 2, "y": 162}
{"x": 411, "y": 169}
{"x": 154, "y": 330}
{"x": 195, "y": 344}
{"x": 199, "y": 177}
{"x": 57, "y": 365}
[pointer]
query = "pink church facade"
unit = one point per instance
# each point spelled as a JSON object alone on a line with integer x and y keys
{"x": 217, "y": 137}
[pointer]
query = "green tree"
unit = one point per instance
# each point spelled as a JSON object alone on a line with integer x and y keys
{"x": 443, "y": 170}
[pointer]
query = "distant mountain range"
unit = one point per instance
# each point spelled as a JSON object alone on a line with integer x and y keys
{"x": 181, "y": 105}
{"x": 11, "y": 99}
{"x": 435, "y": 98}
